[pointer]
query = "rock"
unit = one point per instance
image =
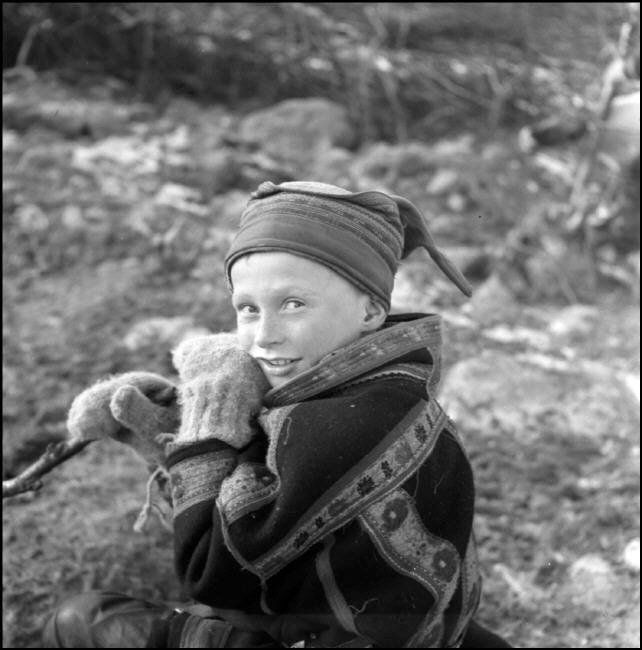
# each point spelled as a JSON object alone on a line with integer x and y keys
{"x": 525, "y": 395}
{"x": 492, "y": 302}
{"x": 621, "y": 132}
{"x": 161, "y": 334}
{"x": 443, "y": 181}
{"x": 456, "y": 202}
{"x": 227, "y": 208}
{"x": 632, "y": 381}
{"x": 592, "y": 584}
{"x": 129, "y": 154}
{"x": 409, "y": 296}
{"x": 631, "y": 554}
{"x": 213, "y": 172}
{"x": 181, "y": 199}
{"x": 72, "y": 118}
{"x": 11, "y": 142}
{"x": 420, "y": 285}
{"x": 257, "y": 167}
{"x": 334, "y": 168}
{"x": 526, "y": 335}
{"x": 574, "y": 320}
{"x": 298, "y": 130}
{"x": 628, "y": 627}
{"x": 31, "y": 218}
{"x": 380, "y": 166}
{"x": 460, "y": 147}
{"x": 220, "y": 170}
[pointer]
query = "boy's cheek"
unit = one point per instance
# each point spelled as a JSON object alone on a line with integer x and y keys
{"x": 244, "y": 337}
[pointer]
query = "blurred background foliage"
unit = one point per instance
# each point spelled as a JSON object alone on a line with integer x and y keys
{"x": 402, "y": 69}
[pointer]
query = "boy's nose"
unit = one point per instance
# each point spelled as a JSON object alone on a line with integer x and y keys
{"x": 268, "y": 332}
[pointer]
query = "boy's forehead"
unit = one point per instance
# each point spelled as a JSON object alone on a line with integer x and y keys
{"x": 279, "y": 263}
{"x": 274, "y": 271}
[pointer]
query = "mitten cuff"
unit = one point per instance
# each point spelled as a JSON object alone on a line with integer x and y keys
{"x": 177, "y": 451}
{"x": 215, "y": 407}
{"x": 197, "y": 478}
{"x": 236, "y": 439}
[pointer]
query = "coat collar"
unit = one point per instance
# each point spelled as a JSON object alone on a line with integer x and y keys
{"x": 409, "y": 341}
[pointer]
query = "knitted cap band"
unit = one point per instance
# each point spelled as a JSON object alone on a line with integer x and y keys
{"x": 362, "y": 236}
{"x": 361, "y": 245}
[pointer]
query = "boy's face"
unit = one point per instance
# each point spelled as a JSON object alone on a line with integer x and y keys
{"x": 292, "y": 311}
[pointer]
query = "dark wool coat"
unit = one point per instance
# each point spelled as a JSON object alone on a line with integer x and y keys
{"x": 349, "y": 519}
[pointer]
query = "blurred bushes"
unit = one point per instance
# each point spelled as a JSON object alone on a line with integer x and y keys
{"x": 401, "y": 69}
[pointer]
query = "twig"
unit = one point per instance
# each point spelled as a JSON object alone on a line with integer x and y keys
{"x": 29, "y": 479}
{"x": 32, "y": 32}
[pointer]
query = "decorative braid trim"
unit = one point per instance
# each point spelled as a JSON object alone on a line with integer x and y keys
{"x": 249, "y": 487}
{"x": 404, "y": 542}
{"x": 386, "y": 467}
{"x": 418, "y": 371}
{"x": 198, "y": 478}
{"x": 362, "y": 356}
{"x": 471, "y": 593}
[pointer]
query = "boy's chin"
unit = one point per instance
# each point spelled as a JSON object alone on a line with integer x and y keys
{"x": 277, "y": 382}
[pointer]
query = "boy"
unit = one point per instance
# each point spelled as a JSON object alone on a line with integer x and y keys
{"x": 321, "y": 496}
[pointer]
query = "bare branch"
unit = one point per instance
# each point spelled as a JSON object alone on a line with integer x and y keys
{"x": 29, "y": 479}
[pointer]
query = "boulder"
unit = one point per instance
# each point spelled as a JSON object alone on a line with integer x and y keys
{"x": 72, "y": 118}
{"x": 574, "y": 320}
{"x": 620, "y": 137}
{"x": 161, "y": 332}
{"x": 298, "y": 130}
{"x": 382, "y": 165}
{"x": 334, "y": 168}
{"x": 526, "y": 394}
{"x": 212, "y": 172}
{"x": 592, "y": 584}
{"x": 492, "y": 302}
{"x": 226, "y": 209}
{"x": 631, "y": 554}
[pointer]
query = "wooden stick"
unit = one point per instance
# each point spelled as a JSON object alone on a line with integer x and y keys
{"x": 29, "y": 479}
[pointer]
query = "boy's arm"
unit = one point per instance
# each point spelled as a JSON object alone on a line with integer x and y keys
{"x": 220, "y": 395}
{"x": 363, "y": 575}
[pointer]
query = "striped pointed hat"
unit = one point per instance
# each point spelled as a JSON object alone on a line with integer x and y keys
{"x": 362, "y": 236}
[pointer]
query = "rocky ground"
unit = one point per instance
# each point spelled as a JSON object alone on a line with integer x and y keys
{"x": 116, "y": 215}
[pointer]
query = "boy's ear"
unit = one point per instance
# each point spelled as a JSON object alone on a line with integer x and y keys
{"x": 374, "y": 316}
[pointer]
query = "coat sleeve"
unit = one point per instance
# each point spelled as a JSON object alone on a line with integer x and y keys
{"x": 207, "y": 571}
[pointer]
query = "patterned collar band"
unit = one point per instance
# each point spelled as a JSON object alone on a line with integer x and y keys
{"x": 369, "y": 353}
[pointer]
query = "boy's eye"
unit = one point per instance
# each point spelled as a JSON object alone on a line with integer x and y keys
{"x": 246, "y": 310}
{"x": 293, "y": 304}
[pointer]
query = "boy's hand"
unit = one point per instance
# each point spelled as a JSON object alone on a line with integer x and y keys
{"x": 221, "y": 392}
{"x": 134, "y": 408}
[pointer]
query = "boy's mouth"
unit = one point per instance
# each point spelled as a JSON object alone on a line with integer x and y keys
{"x": 277, "y": 367}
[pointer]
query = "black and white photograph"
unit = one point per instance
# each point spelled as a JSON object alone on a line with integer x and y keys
{"x": 321, "y": 325}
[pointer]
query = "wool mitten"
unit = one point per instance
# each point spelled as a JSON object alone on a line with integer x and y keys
{"x": 221, "y": 391}
{"x": 139, "y": 409}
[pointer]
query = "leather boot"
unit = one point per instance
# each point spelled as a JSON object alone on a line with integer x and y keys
{"x": 104, "y": 619}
